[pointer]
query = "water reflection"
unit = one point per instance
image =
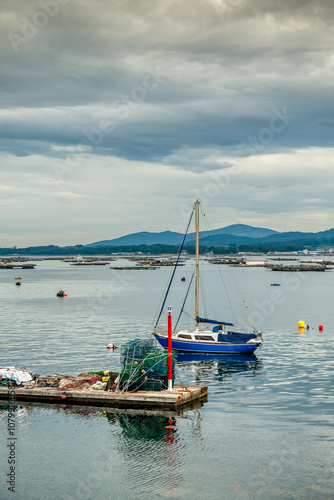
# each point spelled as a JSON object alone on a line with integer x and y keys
{"x": 222, "y": 358}
{"x": 227, "y": 362}
{"x": 140, "y": 425}
{"x": 141, "y": 456}
{"x": 145, "y": 427}
{"x": 220, "y": 373}
{"x": 151, "y": 452}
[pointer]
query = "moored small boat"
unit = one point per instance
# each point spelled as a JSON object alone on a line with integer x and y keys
{"x": 217, "y": 340}
{"x": 210, "y": 342}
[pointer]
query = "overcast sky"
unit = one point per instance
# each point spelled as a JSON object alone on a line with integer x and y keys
{"x": 117, "y": 114}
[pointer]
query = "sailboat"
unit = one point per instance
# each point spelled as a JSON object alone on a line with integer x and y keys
{"x": 215, "y": 341}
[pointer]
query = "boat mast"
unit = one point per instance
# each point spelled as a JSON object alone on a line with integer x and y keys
{"x": 197, "y": 264}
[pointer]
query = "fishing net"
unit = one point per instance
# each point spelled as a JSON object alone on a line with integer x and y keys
{"x": 144, "y": 366}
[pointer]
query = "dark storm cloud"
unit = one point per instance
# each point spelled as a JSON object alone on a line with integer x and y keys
{"x": 220, "y": 78}
{"x": 189, "y": 87}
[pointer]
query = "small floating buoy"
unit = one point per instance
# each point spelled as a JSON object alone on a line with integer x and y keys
{"x": 301, "y": 324}
{"x": 111, "y": 347}
{"x": 321, "y": 327}
{"x": 64, "y": 395}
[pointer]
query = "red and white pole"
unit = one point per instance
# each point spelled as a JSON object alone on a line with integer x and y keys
{"x": 170, "y": 367}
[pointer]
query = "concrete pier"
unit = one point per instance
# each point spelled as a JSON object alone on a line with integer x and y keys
{"x": 179, "y": 397}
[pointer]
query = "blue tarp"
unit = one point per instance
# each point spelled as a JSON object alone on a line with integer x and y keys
{"x": 235, "y": 337}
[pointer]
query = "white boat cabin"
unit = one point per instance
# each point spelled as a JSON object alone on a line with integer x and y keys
{"x": 214, "y": 337}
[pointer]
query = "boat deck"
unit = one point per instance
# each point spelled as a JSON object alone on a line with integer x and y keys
{"x": 179, "y": 397}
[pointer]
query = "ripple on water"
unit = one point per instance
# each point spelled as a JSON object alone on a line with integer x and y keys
{"x": 267, "y": 427}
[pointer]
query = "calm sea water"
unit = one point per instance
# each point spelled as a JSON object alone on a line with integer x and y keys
{"x": 266, "y": 431}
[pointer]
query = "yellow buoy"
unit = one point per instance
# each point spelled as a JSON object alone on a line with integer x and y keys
{"x": 301, "y": 324}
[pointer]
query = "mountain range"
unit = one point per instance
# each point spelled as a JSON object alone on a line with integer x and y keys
{"x": 173, "y": 238}
{"x": 235, "y": 234}
{"x": 230, "y": 239}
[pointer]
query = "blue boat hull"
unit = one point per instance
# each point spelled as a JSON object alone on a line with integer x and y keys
{"x": 212, "y": 348}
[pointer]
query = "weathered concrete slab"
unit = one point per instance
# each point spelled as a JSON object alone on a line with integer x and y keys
{"x": 164, "y": 400}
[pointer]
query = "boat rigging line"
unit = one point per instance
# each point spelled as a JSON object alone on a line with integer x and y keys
{"x": 178, "y": 319}
{"x": 209, "y": 228}
{"x": 173, "y": 273}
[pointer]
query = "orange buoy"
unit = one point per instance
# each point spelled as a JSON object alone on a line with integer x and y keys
{"x": 321, "y": 327}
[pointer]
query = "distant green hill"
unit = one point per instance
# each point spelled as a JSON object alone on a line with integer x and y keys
{"x": 279, "y": 240}
{"x": 172, "y": 238}
{"x": 142, "y": 238}
{"x": 217, "y": 241}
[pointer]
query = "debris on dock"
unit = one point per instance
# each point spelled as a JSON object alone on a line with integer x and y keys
{"x": 92, "y": 389}
{"x": 142, "y": 383}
